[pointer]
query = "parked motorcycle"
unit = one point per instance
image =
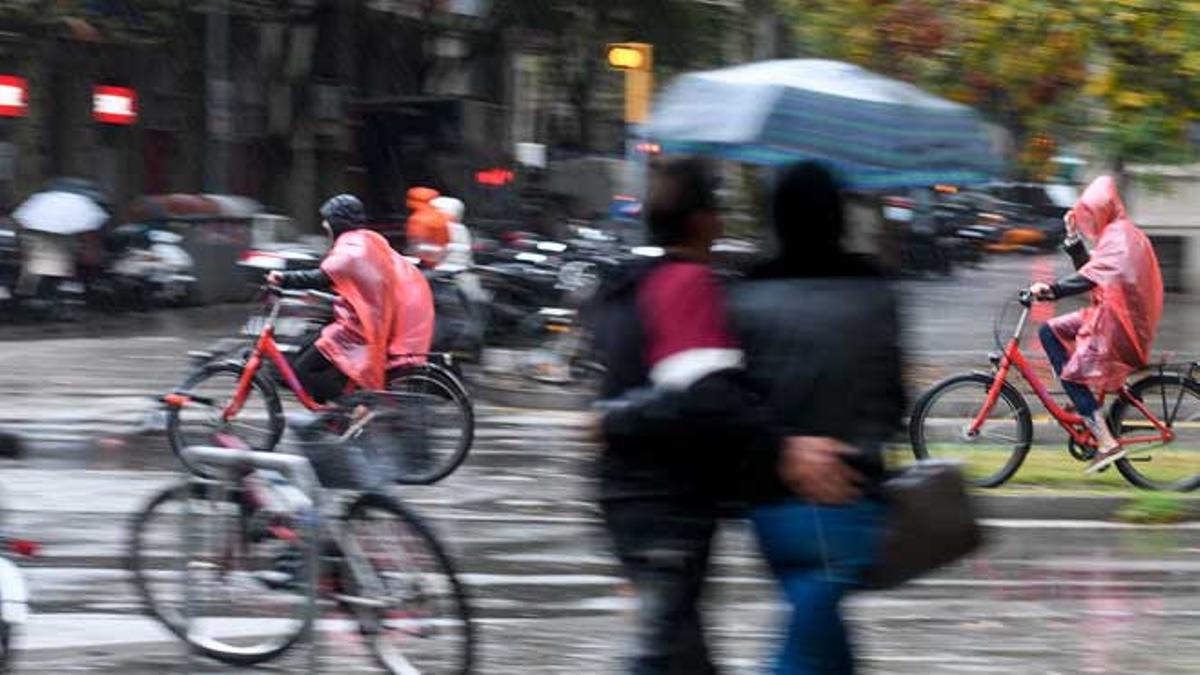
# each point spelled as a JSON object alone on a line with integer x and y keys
{"x": 148, "y": 267}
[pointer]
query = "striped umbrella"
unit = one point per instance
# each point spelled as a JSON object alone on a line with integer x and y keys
{"x": 878, "y": 132}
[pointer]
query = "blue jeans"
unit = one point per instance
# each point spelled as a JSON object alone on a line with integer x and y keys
{"x": 1085, "y": 402}
{"x": 818, "y": 553}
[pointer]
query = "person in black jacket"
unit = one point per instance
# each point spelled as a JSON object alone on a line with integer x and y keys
{"x": 681, "y": 423}
{"x": 320, "y": 376}
{"x": 820, "y": 330}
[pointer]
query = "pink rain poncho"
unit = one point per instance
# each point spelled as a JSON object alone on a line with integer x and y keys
{"x": 1112, "y": 338}
{"x": 384, "y": 314}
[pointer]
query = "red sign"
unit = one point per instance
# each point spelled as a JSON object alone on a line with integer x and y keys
{"x": 14, "y": 96}
{"x": 114, "y": 105}
{"x": 494, "y": 177}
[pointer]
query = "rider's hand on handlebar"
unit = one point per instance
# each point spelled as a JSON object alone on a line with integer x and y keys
{"x": 275, "y": 278}
{"x": 1041, "y": 291}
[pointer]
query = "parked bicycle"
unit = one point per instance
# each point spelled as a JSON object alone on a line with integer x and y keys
{"x": 239, "y": 591}
{"x": 233, "y": 398}
{"x": 983, "y": 420}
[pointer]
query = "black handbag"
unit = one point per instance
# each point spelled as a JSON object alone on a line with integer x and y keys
{"x": 931, "y": 522}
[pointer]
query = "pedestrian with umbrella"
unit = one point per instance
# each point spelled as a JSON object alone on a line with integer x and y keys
{"x": 52, "y": 223}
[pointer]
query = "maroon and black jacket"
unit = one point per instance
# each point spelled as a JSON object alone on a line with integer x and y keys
{"x": 681, "y": 420}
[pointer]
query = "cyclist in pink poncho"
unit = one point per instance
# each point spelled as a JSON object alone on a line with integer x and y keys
{"x": 1097, "y": 348}
{"x": 384, "y": 315}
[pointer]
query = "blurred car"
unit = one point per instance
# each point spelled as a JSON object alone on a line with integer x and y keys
{"x": 1042, "y": 209}
{"x": 275, "y": 246}
{"x": 1019, "y": 239}
{"x": 1043, "y": 200}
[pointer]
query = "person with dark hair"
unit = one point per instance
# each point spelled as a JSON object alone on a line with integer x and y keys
{"x": 680, "y": 423}
{"x": 384, "y": 313}
{"x": 821, "y": 335}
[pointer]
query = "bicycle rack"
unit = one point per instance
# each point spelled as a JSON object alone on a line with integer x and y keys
{"x": 298, "y": 470}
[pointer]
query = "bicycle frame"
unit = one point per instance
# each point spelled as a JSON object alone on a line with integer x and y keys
{"x": 265, "y": 348}
{"x": 268, "y": 348}
{"x": 1072, "y": 423}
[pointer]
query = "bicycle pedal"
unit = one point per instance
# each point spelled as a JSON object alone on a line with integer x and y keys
{"x": 1144, "y": 458}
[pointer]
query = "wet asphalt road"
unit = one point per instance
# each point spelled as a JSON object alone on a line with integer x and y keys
{"x": 1044, "y": 597}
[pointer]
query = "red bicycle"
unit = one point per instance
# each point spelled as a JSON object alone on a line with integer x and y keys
{"x": 233, "y": 402}
{"x": 982, "y": 420}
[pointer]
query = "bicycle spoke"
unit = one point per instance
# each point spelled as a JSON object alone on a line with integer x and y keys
{"x": 247, "y": 427}
{"x": 999, "y": 437}
{"x": 1175, "y": 411}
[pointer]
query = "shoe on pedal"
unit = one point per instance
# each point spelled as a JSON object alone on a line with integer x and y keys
{"x": 1105, "y": 459}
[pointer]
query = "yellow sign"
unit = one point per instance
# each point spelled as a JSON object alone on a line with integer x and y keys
{"x": 630, "y": 56}
{"x": 637, "y": 60}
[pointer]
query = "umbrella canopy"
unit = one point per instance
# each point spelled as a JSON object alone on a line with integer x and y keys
{"x": 80, "y": 186}
{"x": 234, "y": 206}
{"x": 161, "y": 207}
{"x": 878, "y": 132}
{"x": 60, "y": 213}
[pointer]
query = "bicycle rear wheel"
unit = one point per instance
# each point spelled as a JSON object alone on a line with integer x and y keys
{"x": 942, "y": 417}
{"x": 258, "y": 425}
{"x": 1175, "y": 401}
{"x": 238, "y": 616}
{"x": 423, "y": 426}
{"x": 424, "y": 622}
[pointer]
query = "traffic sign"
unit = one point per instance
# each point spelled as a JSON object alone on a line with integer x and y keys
{"x": 114, "y": 105}
{"x": 14, "y": 96}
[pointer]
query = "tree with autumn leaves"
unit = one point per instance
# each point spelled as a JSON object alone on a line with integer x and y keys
{"x": 1123, "y": 75}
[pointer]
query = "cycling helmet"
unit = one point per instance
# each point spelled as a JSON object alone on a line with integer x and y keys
{"x": 343, "y": 213}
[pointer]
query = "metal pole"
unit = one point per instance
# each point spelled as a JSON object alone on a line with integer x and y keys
{"x": 188, "y": 525}
{"x": 218, "y": 97}
{"x": 313, "y": 557}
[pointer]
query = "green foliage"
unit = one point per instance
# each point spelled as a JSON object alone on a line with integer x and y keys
{"x": 1158, "y": 507}
{"x": 1123, "y": 72}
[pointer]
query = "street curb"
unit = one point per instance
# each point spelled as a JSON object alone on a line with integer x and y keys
{"x": 1060, "y": 507}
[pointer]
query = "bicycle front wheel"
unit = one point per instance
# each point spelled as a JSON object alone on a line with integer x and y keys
{"x": 200, "y": 421}
{"x": 221, "y": 590}
{"x": 1174, "y": 401}
{"x": 421, "y": 622}
{"x": 940, "y": 428}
